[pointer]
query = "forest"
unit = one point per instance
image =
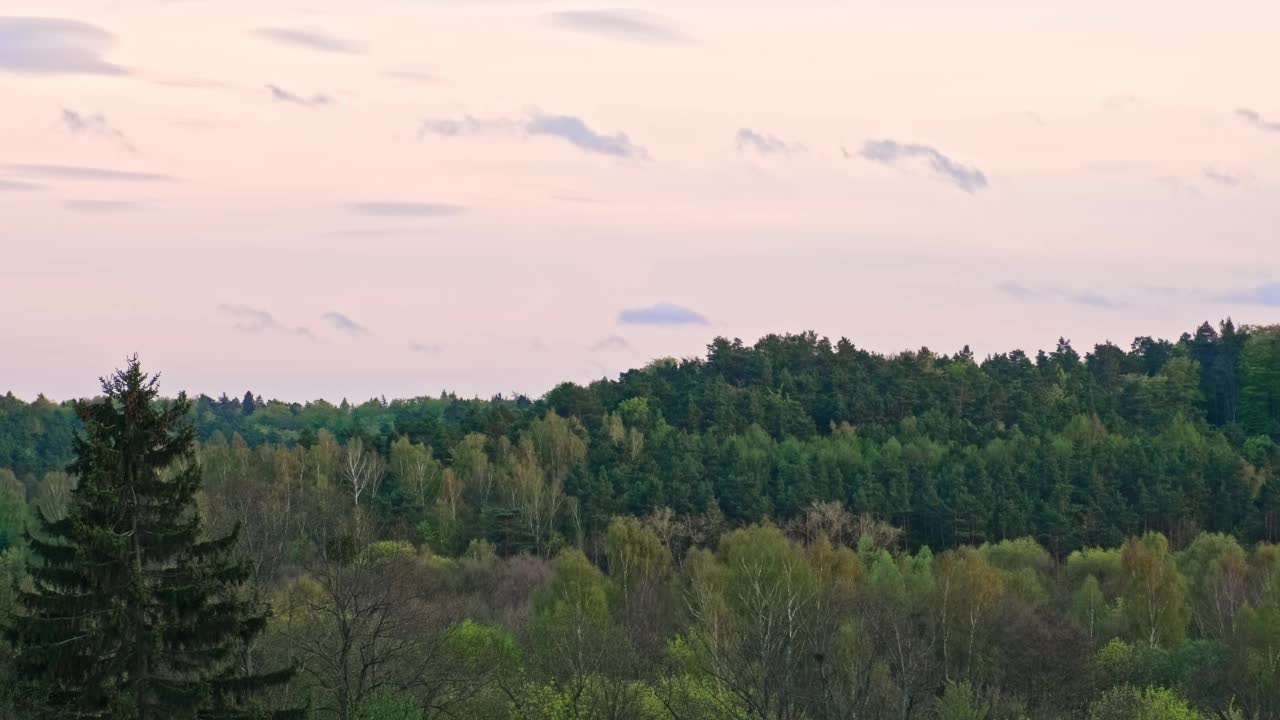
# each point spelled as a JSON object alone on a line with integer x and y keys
{"x": 791, "y": 530}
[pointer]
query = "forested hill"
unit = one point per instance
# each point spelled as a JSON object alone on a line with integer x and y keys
{"x": 1072, "y": 447}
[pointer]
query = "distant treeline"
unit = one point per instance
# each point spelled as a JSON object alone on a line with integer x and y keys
{"x": 1073, "y": 450}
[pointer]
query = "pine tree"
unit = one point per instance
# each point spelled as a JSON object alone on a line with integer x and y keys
{"x": 132, "y": 614}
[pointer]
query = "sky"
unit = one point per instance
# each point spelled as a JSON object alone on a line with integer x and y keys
{"x": 399, "y": 197}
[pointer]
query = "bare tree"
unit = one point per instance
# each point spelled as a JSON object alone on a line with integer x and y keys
{"x": 363, "y": 470}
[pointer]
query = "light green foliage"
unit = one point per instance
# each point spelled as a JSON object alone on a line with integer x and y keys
{"x": 1102, "y": 563}
{"x": 1129, "y": 703}
{"x": 569, "y": 622}
{"x": 958, "y": 702}
{"x": 637, "y": 557}
{"x": 1025, "y": 565}
{"x": 1155, "y": 602}
{"x": 1090, "y": 609}
{"x": 1216, "y": 570}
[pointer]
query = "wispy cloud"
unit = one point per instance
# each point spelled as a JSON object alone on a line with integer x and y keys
{"x": 466, "y": 125}
{"x": 1222, "y": 178}
{"x": 54, "y": 46}
{"x": 1076, "y": 297}
{"x": 18, "y": 186}
{"x": 404, "y": 209}
{"x": 95, "y": 125}
{"x": 612, "y": 342}
{"x": 1254, "y": 118}
{"x": 764, "y": 143}
{"x": 1091, "y": 299}
{"x": 622, "y": 23}
{"x": 101, "y": 206}
{"x": 1267, "y": 295}
{"x": 345, "y": 324}
{"x": 77, "y": 172}
{"x": 661, "y": 314}
{"x": 256, "y": 320}
{"x": 279, "y": 94}
{"x": 573, "y": 130}
{"x": 425, "y": 348}
{"x": 1015, "y": 290}
{"x": 569, "y": 128}
{"x": 307, "y": 39}
{"x": 890, "y": 152}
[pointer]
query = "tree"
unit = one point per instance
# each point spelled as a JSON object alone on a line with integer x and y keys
{"x": 363, "y": 470}
{"x": 369, "y": 618}
{"x": 752, "y": 622}
{"x": 1129, "y": 703}
{"x": 13, "y": 510}
{"x": 958, "y": 703}
{"x": 1155, "y": 598}
{"x": 1260, "y": 392}
{"x": 132, "y": 614}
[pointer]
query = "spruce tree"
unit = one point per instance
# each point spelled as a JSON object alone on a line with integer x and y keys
{"x": 132, "y": 613}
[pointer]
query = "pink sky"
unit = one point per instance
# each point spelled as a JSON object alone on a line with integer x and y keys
{"x": 396, "y": 197}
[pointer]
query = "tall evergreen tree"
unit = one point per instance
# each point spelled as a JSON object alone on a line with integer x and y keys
{"x": 132, "y": 614}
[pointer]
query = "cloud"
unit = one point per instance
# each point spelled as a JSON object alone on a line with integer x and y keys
{"x": 612, "y": 342}
{"x": 661, "y": 314}
{"x": 466, "y": 125}
{"x": 572, "y": 129}
{"x": 889, "y": 152}
{"x": 53, "y": 46}
{"x": 1015, "y": 290}
{"x": 307, "y": 39}
{"x": 255, "y": 320}
{"x": 763, "y": 143}
{"x": 1267, "y": 295}
{"x": 279, "y": 94}
{"x": 18, "y": 186}
{"x": 1089, "y": 298}
{"x": 425, "y": 348}
{"x": 1254, "y": 118}
{"x": 344, "y": 324}
{"x": 77, "y": 172}
{"x": 96, "y": 125}
{"x": 404, "y": 209}
{"x": 1224, "y": 179}
{"x": 625, "y": 23}
{"x": 101, "y": 206}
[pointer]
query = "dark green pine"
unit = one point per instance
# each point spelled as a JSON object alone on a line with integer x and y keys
{"x": 131, "y": 613}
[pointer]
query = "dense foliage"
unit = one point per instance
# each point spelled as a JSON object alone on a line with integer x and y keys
{"x": 1075, "y": 451}
{"x": 794, "y": 530}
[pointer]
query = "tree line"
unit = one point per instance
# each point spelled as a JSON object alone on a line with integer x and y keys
{"x": 1075, "y": 537}
{"x": 1073, "y": 450}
